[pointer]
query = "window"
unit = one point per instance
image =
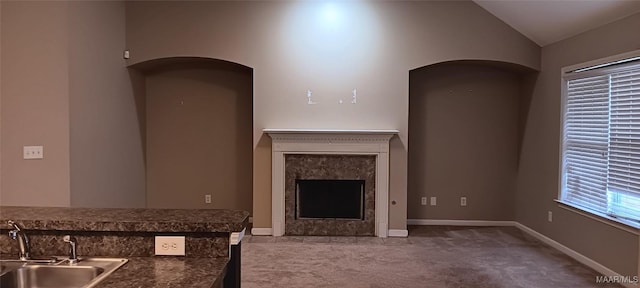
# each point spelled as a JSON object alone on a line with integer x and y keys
{"x": 601, "y": 139}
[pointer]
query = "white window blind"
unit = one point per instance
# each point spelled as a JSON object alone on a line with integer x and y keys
{"x": 601, "y": 142}
{"x": 624, "y": 148}
{"x": 586, "y": 138}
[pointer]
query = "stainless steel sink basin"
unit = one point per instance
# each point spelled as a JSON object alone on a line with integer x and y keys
{"x": 86, "y": 273}
{"x": 50, "y": 276}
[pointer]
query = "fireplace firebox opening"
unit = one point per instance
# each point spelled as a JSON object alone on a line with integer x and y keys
{"x": 330, "y": 199}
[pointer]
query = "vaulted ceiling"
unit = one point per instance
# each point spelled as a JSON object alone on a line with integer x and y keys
{"x": 549, "y": 21}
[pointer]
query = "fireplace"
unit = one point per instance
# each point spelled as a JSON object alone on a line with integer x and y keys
{"x": 303, "y": 154}
{"x": 342, "y": 193}
{"x": 332, "y": 199}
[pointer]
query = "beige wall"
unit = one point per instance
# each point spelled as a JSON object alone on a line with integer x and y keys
{"x": 35, "y": 103}
{"x": 371, "y": 46}
{"x": 106, "y": 145}
{"x": 537, "y": 184}
{"x": 65, "y": 86}
{"x": 262, "y": 182}
{"x": 463, "y": 141}
{"x": 199, "y": 136}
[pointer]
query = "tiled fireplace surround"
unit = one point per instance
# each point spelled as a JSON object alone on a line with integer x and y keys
{"x": 329, "y": 167}
{"x": 330, "y": 154}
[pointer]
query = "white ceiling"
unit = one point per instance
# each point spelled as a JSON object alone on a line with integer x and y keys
{"x": 549, "y": 21}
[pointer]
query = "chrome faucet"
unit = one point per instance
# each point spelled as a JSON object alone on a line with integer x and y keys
{"x": 73, "y": 255}
{"x": 19, "y": 234}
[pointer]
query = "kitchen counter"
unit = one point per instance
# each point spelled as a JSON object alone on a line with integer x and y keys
{"x": 162, "y": 271}
{"x": 212, "y": 242}
{"x": 146, "y": 272}
{"x": 122, "y": 219}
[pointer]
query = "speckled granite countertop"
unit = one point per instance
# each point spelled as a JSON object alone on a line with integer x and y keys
{"x": 168, "y": 272}
{"x": 119, "y": 219}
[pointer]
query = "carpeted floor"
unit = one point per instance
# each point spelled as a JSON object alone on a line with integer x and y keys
{"x": 432, "y": 256}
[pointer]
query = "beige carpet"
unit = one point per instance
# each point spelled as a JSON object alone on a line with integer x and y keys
{"x": 432, "y": 256}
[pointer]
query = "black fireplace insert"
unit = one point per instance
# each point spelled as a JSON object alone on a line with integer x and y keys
{"x": 330, "y": 199}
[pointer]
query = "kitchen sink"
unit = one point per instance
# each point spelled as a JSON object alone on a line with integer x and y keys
{"x": 86, "y": 273}
{"x": 50, "y": 276}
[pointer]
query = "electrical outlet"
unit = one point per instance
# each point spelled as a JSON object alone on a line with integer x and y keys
{"x": 170, "y": 245}
{"x": 550, "y": 216}
{"x": 433, "y": 201}
{"x": 423, "y": 201}
{"x": 463, "y": 201}
{"x": 207, "y": 199}
{"x": 32, "y": 152}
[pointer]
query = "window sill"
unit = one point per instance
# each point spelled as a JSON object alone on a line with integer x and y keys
{"x": 626, "y": 225}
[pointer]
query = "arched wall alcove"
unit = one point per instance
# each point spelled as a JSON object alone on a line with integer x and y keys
{"x": 198, "y": 127}
{"x": 466, "y": 121}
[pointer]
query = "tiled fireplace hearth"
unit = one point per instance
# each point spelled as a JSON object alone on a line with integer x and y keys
{"x": 302, "y": 154}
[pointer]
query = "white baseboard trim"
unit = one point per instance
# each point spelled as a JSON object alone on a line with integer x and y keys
{"x": 261, "y": 231}
{"x": 460, "y": 222}
{"x": 398, "y": 233}
{"x": 573, "y": 254}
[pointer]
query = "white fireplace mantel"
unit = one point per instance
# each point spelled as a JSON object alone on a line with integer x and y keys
{"x": 330, "y": 141}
